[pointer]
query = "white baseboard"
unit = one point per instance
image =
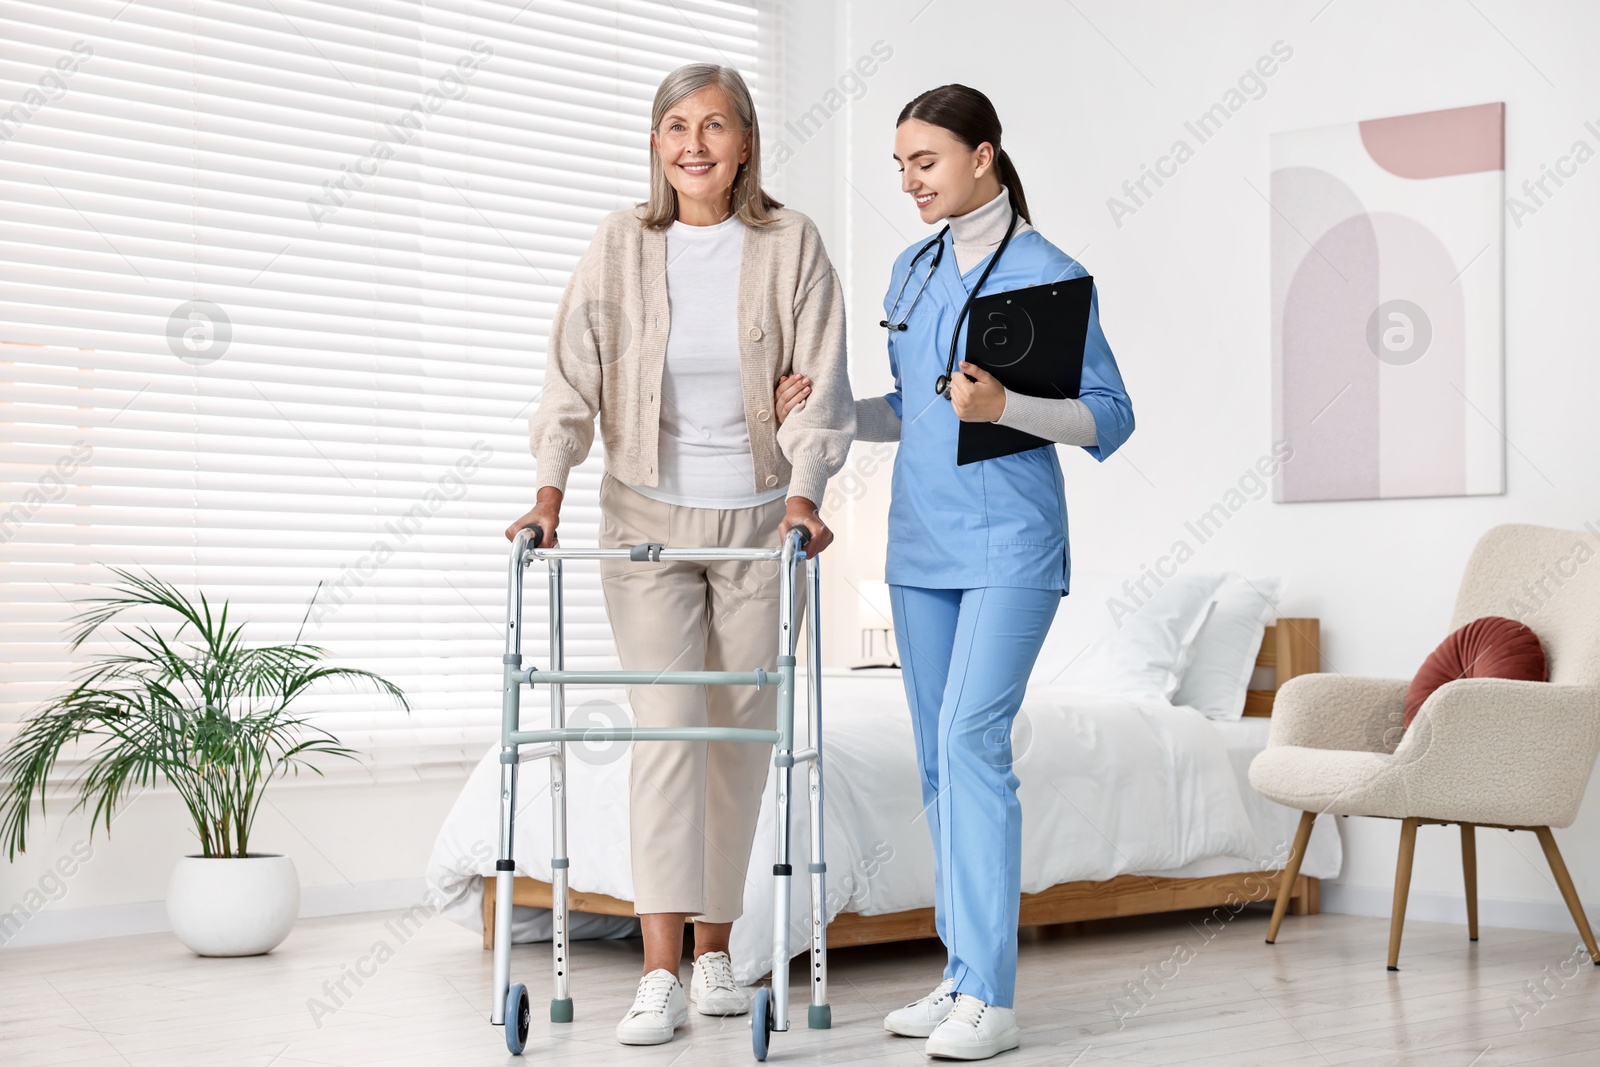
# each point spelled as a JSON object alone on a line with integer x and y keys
{"x": 50, "y": 926}
{"x": 1377, "y": 901}
{"x": 386, "y": 895}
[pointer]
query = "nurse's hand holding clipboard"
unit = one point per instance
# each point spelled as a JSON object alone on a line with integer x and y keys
{"x": 976, "y": 395}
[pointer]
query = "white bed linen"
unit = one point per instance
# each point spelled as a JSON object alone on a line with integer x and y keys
{"x": 1110, "y": 786}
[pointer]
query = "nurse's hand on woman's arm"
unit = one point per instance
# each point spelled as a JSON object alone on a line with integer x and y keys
{"x": 983, "y": 400}
{"x": 545, "y": 514}
{"x": 802, "y": 512}
{"x": 791, "y": 395}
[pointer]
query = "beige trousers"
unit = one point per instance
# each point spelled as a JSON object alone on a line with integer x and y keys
{"x": 693, "y": 804}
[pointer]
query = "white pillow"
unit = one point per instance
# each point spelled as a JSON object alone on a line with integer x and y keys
{"x": 1079, "y": 620}
{"x": 1225, "y": 649}
{"x": 1110, "y": 636}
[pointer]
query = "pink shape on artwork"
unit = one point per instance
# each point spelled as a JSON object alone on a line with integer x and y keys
{"x": 1436, "y": 144}
{"x": 1330, "y": 377}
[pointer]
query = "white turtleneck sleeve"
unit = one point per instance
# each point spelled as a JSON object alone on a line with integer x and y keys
{"x": 1065, "y": 421}
{"x": 876, "y": 420}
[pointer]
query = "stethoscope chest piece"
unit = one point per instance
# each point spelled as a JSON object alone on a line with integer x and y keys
{"x": 937, "y": 244}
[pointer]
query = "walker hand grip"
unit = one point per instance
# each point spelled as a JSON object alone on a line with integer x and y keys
{"x": 535, "y": 535}
{"x": 803, "y": 534}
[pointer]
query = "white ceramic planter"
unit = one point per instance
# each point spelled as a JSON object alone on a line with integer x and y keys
{"x": 233, "y": 907}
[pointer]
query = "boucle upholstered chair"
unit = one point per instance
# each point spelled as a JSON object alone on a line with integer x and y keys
{"x": 1481, "y": 751}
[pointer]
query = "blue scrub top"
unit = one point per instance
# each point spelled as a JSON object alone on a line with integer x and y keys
{"x": 997, "y": 522}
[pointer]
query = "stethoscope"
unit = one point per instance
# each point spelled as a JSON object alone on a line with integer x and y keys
{"x": 942, "y": 385}
{"x": 938, "y": 244}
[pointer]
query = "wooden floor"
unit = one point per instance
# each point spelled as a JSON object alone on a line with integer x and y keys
{"x": 1320, "y": 996}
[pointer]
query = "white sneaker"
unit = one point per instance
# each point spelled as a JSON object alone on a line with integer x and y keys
{"x": 712, "y": 990}
{"x": 974, "y": 1031}
{"x": 919, "y": 1018}
{"x": 658, "y": 1009}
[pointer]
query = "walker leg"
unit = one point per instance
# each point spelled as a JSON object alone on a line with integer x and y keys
{"x": 561, "y": 1001}
{"x": 504, "y": 879}
{"x": 819, "y": 1016}
{"x": 783, "y": 761}
{"x": 510, "y": 720}
{"x": 782, "y": 872}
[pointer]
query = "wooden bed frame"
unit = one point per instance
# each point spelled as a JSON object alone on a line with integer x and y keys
{"x": 1291, "y": 647}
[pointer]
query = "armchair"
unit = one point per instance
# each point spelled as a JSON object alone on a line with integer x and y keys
{"x": 1486, "y": 752}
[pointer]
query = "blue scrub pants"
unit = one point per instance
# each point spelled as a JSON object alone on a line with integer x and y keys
{"x": 966, "y": 655}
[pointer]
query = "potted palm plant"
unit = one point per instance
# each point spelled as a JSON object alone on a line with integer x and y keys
{"x": 186, "y": 702}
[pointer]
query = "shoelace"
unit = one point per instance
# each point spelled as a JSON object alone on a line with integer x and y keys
{"x": 968, "y": 1011}
{"x": 940, "y": 991}
{"x": 654, "y": 992}
{"x": 718, "y": 970}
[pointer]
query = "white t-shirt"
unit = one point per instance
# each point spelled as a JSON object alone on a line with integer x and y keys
{"x": 705, "y": 459}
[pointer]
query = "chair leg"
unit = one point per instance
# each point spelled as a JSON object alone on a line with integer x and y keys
{"x": 1291, "y": 870}
{"x": 1558, "y": 867}
{"x": 1469, "y": 873}
{"x": 1402, "y": 889}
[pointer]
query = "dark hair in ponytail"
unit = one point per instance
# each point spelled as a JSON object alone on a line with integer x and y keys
{"x": 972, "y": 120}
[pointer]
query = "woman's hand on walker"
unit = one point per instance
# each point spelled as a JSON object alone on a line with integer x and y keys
{"x": 545, "y": 514}
{"x": 802, "y": 512}
{"x": 983, "y": 400}
{"x": 791, "y": 395}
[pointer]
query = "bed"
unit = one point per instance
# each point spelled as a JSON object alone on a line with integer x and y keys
{"x": 1132, "y": 805}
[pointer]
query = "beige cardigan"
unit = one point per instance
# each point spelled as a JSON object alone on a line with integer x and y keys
{"x": 608, "y": 346}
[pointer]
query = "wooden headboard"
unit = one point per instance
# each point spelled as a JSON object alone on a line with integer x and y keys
{"x": 1291, "y": 647}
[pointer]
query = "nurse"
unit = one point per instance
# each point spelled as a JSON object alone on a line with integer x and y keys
{"x": 977, "y": 556}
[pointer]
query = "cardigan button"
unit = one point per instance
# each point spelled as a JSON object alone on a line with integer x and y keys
{"x": 755, "y": 333}
{"x": 772, "y": 480}
{"x": 763, "y": 415}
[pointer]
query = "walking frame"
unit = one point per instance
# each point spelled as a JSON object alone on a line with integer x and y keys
{"x": 770, "y": 1013}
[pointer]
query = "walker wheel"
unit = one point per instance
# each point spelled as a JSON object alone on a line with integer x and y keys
{"x": 517, "y": 1018}
{"x": 761, "y": 1022}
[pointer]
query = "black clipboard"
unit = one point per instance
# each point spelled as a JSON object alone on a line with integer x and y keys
{"x": 1032, "y": 341}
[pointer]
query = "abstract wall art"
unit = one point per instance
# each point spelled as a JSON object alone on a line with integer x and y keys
{"x": 1387, "y": 340}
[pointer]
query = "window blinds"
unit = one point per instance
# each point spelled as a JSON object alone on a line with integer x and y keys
{"x": 276, "y": 285}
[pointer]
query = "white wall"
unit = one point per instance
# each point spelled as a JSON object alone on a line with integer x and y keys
{"x": 1091, "y": 92}
{"x": 1087, "y": 99}
{"x": 358, "y": 844}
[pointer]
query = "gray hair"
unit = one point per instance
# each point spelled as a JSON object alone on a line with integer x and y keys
{"x": 750, "y": 202}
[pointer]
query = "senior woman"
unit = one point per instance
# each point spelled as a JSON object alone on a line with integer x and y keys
{"x": 678, "y": 322}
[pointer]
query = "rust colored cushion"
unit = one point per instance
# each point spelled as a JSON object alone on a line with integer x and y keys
{"x": 1490, "y": 647}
